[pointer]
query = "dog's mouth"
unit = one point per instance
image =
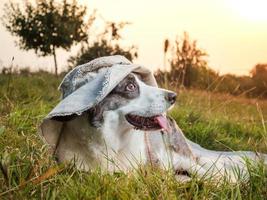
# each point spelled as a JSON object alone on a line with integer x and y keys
{"x": 148, "y": 123}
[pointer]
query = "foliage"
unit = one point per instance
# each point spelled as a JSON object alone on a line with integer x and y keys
{"x": 216, "y": 121}
{"x": 259, "y": 77}
{"x": 189, "y": 68}
{"x": 46, "y": 25}
{"x": 187, "y": 63}
{"x": 254, "y": 85}
{"x": 105, "y": 44}
{"x": 186, "y": 57}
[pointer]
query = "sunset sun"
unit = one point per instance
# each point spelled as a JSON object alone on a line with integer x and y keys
{"x": 251, "y": 10}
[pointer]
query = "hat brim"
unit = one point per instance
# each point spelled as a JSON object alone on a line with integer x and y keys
{"x": 96, "y": 90}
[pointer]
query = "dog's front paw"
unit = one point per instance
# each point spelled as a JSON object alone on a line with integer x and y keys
{"x": 182, "y": 178}
{"x": 182, "y": 175}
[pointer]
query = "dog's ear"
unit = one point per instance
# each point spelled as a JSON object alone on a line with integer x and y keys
{"x": 96, "y": 116}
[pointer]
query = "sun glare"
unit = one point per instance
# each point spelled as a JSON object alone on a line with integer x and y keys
{"x": 254, "y": 10}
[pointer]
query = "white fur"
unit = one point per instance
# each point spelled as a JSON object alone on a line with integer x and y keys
{"x": 125, "y": 144}
{"x": 118, "y": 146}
{"x": 150, "y": 102}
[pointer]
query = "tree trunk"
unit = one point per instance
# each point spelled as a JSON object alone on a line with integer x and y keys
{"x": 55, "y": 60}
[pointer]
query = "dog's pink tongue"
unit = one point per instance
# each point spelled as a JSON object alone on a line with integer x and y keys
{"x": 163, "y": 122}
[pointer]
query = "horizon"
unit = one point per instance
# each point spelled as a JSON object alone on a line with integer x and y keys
{"x": 232, "y": 32}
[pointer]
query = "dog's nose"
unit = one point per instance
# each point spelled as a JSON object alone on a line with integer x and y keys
{"x": 171, "y": 97}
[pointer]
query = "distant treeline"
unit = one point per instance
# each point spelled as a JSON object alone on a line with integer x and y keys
{"x": 201, "y": 77}
{"x": 205, "y": 78}
{"x": 189, "y": 69}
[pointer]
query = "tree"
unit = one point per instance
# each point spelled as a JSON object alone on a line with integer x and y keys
{"x": 186, "y": 59}
{"x": 188, "y": 65}
{"x": 46, "y": 25}
{"x": 105, "y": 44}
{"x": 259, "y": 77}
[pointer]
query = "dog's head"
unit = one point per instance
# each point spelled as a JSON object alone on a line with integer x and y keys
{"x": 135, "y": 104}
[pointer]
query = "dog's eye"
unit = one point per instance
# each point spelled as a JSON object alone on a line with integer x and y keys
{"x": 130, "y": 87}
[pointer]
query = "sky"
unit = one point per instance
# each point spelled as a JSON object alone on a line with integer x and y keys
{"x": 232, "y": 32}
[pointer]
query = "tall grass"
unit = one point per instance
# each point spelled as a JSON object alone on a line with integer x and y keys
{"x": 216, "y": 121}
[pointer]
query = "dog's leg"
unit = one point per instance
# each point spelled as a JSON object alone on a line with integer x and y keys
{"x": 185, "y": 162}
{"x": 211, "y": 164}
{"x": 178, "y": 141}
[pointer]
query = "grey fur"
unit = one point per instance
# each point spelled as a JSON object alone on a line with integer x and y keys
{"x": 118, "y": 97}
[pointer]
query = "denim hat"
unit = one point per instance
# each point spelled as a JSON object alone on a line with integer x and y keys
{"x": 87, "y": 85}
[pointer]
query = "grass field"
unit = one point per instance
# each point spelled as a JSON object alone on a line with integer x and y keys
{"x": 216, "y": 121}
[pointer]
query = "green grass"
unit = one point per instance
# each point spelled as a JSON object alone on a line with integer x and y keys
{"x": 215, "y": 121}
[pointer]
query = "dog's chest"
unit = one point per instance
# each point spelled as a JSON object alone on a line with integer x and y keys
{"x": 124, "y": 146}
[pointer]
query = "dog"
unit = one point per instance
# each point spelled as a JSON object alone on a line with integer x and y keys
{"x": 129, "y": 128}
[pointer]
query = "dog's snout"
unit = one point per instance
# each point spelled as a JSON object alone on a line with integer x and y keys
{"x": 171, "y": 97}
